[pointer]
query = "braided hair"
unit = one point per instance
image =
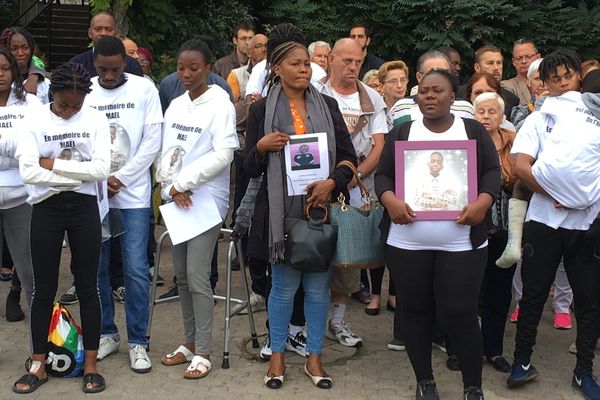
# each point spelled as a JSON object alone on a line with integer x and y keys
{"x": 561, "y": 57}
{"x": 284, "y": 39}
{"x": 70, "y": 76}
{"x": 17, "y": 79}
{"x": 8, "y": 33}
{"x": 283, "y": 33}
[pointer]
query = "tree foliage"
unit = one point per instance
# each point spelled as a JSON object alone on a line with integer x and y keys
{"x": 404, "y": 29}
{"x": 401, "y": 29}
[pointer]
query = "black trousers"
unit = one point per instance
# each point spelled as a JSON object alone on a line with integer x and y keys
{"x": 444, "y": 286}
{"x": 77, "y": 214}
{"x": 542, "y": 251}
{"x": 377, "y": 280}
{"x": 261, "y": 283}
{"x": 496, "y": 297}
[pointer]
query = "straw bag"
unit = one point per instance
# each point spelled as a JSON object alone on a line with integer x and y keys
{"x": 358, "y": 243}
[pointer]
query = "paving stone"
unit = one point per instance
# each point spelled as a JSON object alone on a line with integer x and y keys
{"x": 371, "y": 372}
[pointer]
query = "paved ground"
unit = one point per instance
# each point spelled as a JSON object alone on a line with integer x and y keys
{"x": 372, "y": 372}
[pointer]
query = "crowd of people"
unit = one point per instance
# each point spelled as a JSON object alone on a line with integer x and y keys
{"x": 81, "y": 148}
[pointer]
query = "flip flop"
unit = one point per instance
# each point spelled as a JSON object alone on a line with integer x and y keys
{"x": 30, "y": 380}
{"x": 199, "y": 364}
{"x": 173, "y": 359}
{"x": 97, "y": 381}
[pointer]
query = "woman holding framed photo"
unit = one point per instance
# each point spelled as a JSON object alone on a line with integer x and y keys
{"x": 438, "y": 266}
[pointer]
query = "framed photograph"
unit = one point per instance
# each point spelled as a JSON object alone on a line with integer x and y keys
{"x": 437, "y": 179}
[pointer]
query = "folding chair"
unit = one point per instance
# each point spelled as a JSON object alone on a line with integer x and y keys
{"x": 235, "y": 246}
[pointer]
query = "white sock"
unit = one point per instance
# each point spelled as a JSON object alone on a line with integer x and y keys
{"x": 337, "y": 316}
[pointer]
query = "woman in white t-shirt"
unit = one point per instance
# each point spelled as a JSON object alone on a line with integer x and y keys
{"x": 199, "y": 139}
{"x": 438, "y": 266}
{"x": 63, "y": 195}
{"x": 15, "y": 213}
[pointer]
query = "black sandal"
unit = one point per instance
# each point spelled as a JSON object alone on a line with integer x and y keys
{"x": 97, "y": 381}
{"x": 30, "y": 380}
{"x": 500, "y": 364}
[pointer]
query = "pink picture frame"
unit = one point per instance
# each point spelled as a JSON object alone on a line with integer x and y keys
{"x": 436, "y": 178}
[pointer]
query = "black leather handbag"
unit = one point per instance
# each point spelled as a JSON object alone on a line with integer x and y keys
{"x": 309, "y": 243}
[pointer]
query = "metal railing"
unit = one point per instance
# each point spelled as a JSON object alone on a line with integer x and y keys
{"x": 29, "y": 10}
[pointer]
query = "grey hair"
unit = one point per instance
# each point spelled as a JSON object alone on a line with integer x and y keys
{"x": 370, "y": 75}
{"x": 429, "y": 55}
{"x": 523, "y": 41}
{"x": 534, "y": 67}
{"x": 488, "y": 96}
{"x": 318, "y": 43}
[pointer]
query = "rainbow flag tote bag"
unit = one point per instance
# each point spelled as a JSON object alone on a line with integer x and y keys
{"x": 65, "y": 345}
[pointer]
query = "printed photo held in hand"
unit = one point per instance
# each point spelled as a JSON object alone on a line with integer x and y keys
{"x": 306, "y": 161}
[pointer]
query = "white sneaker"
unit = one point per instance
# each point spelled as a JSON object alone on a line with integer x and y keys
{"x": 119, "y": 294}
{"x": 342, "y": 333}
{"x": 265, "y": 351}
{"x": 257, "y": 302}
{"x": 140, "y": 362}
{"x": 297, "y": 343}
{"x": 108, "y": 345}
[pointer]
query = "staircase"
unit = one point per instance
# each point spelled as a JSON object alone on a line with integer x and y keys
{"x": 60, "y": 31}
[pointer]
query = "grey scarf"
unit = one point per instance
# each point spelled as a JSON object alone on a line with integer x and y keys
{"x": 278, "y": 109}
{"x": 245, "y": 212}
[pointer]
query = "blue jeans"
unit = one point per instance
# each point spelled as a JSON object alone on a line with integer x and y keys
{"x": 285, "y": 282}
{"x": 135, "y": 270}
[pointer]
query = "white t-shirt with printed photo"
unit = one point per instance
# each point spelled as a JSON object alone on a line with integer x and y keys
{"x": 130, "y": 109}
{"x": 349, "y": 106}
{"x": 531, "y": 140}
{"x": 192, "y": 131}
{"x": 71, "y": 143}
{"x": 568, "y": 168}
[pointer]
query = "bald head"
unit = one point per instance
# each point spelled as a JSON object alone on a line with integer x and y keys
{"x": 345, "y": 60}
{"x": 344, "y": 45}
{"x": 131, "y": 48}
{"x": 257, "y": 48}
{"x": 258, "y": 38}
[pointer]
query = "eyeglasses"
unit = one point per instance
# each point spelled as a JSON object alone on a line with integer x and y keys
{"x": 556, "y": 79}
{"x": 260, "y": 45}
{"x": 525, "y": 58}
{"x": 395, "y": 82}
